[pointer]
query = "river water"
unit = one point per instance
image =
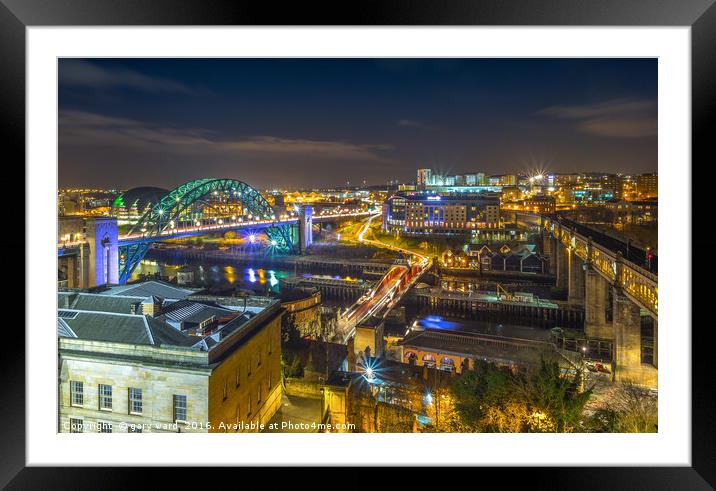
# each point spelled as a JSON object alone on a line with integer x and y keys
{"x": 219, "y": 275}
{"x": 223, "y": 274}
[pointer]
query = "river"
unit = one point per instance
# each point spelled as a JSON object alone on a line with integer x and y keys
{"x": 255, "y": 275}
{"x": 218, "y": 275}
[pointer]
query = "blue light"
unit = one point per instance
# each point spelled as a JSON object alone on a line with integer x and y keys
{"x": 437, "y": 322}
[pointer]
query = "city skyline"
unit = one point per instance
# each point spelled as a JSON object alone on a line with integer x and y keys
{"x": 323, "y": 122}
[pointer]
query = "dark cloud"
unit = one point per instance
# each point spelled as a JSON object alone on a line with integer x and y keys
{"x": 620, "y": 118}
{"x": 322, "y": 122}
{"x": 411, "y": 123}
{"x": 83, "y": 73}
{"x": 79, "y": 128}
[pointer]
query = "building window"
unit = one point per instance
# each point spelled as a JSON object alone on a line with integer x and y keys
{"x": 104, "y": 427}
{"x": 238, "y": 376}
{"x": 225, "y": 389}
{"x": 258, "y": 359}
{"x": 258, "y": 394}
{"x": 76, "y": 426}
{"x": 77, "y": 394}
{"x": 248, "y": 407}
{"x": 179, "y": 408}
{"x": 134, "y": 429}
{"x": 135, "y": 400}
{"x": 105, "y": 397}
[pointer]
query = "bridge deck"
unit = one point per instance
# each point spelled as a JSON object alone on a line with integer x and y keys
{"x": 631, "y": 253}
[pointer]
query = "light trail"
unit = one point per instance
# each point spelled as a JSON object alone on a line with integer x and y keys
{"x": 382, "y": 297}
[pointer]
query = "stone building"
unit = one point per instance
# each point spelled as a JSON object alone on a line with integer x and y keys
{"x": 455, "y": 351}
{"x": 128, "y": 372}
{"x": 303, "y": 312}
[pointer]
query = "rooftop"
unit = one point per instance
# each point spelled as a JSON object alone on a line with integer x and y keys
{"x": 193, "y": 312}
{"x": 150, "y": 288}
{"x": 447, "y": 324}
{"x": 480, "y": 345}
{"x": 119, "y": 304}
{"x": 119, "y": 328}
{"x": 108, "y": 318}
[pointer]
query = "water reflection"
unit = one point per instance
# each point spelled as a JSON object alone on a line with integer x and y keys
{"x": 219, "y": 275}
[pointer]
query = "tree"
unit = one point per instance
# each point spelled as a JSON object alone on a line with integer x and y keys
{"x": 509, "y": 417}
{"x": 291, "y": 364}
{"x": 550, "y": 392}
{"x": 489, "y": 398}
{"x": 632, "y": 410}
{"x": 477, "y": 389}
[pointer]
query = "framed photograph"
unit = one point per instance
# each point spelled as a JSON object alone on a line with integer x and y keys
{"x": 307, "y": 239}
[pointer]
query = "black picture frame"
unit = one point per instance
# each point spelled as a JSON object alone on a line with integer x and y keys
{"x": 16, "y": 15}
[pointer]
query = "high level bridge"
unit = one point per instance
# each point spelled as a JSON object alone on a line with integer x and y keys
{"x": 617, "y": 284}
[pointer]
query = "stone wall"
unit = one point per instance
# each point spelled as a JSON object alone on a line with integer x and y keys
{"x": 246, "y": 386}
{"x": 158, "y": 383}
{"x": 303, "y": 388}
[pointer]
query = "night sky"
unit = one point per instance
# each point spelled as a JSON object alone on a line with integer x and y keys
{"x": 321, "y": 122}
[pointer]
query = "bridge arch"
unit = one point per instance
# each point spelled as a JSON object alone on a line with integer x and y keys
{"x": 172, "y": 210}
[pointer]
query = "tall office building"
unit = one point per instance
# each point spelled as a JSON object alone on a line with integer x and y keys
{"x": 647, "y": 186}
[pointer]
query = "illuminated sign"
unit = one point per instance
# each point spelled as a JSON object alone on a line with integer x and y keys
{"x": 434, "y": 198}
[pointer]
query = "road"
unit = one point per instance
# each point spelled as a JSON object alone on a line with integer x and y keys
{"x": 388, "y": 291}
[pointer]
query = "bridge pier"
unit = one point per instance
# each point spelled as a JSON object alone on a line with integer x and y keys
{"x": 93, "y": 257}
{"x": 595, "y": 306}
{"x": 561, "y": 256}
{"x": 576, "y": 285}
{"x": 628, "y": 343}
{"x": 656, "y": 343}
{"x": 102, "y": 238}
{"x": 71, "y": 269}
{"x": 76, "y": 267}
{"x": 549, "y": 244}
{"x": 305, "y": 228}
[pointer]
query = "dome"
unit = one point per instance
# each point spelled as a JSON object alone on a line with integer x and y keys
{"x": 138, "y": 197}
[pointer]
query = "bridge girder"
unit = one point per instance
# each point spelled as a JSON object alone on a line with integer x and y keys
{"x": 637, "y": 283}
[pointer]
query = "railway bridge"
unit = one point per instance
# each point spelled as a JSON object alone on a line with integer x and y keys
{"x": 616, "y": 284}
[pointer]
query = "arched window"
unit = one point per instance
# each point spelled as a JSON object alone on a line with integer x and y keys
{"x": 447, "y": 364}
{"x": 410, "y": 357}
{"x": 429, "y": 361}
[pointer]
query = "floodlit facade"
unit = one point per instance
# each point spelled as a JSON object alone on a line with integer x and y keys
{"x": 426, "y": 214}
{"x": 135, "y": 373}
